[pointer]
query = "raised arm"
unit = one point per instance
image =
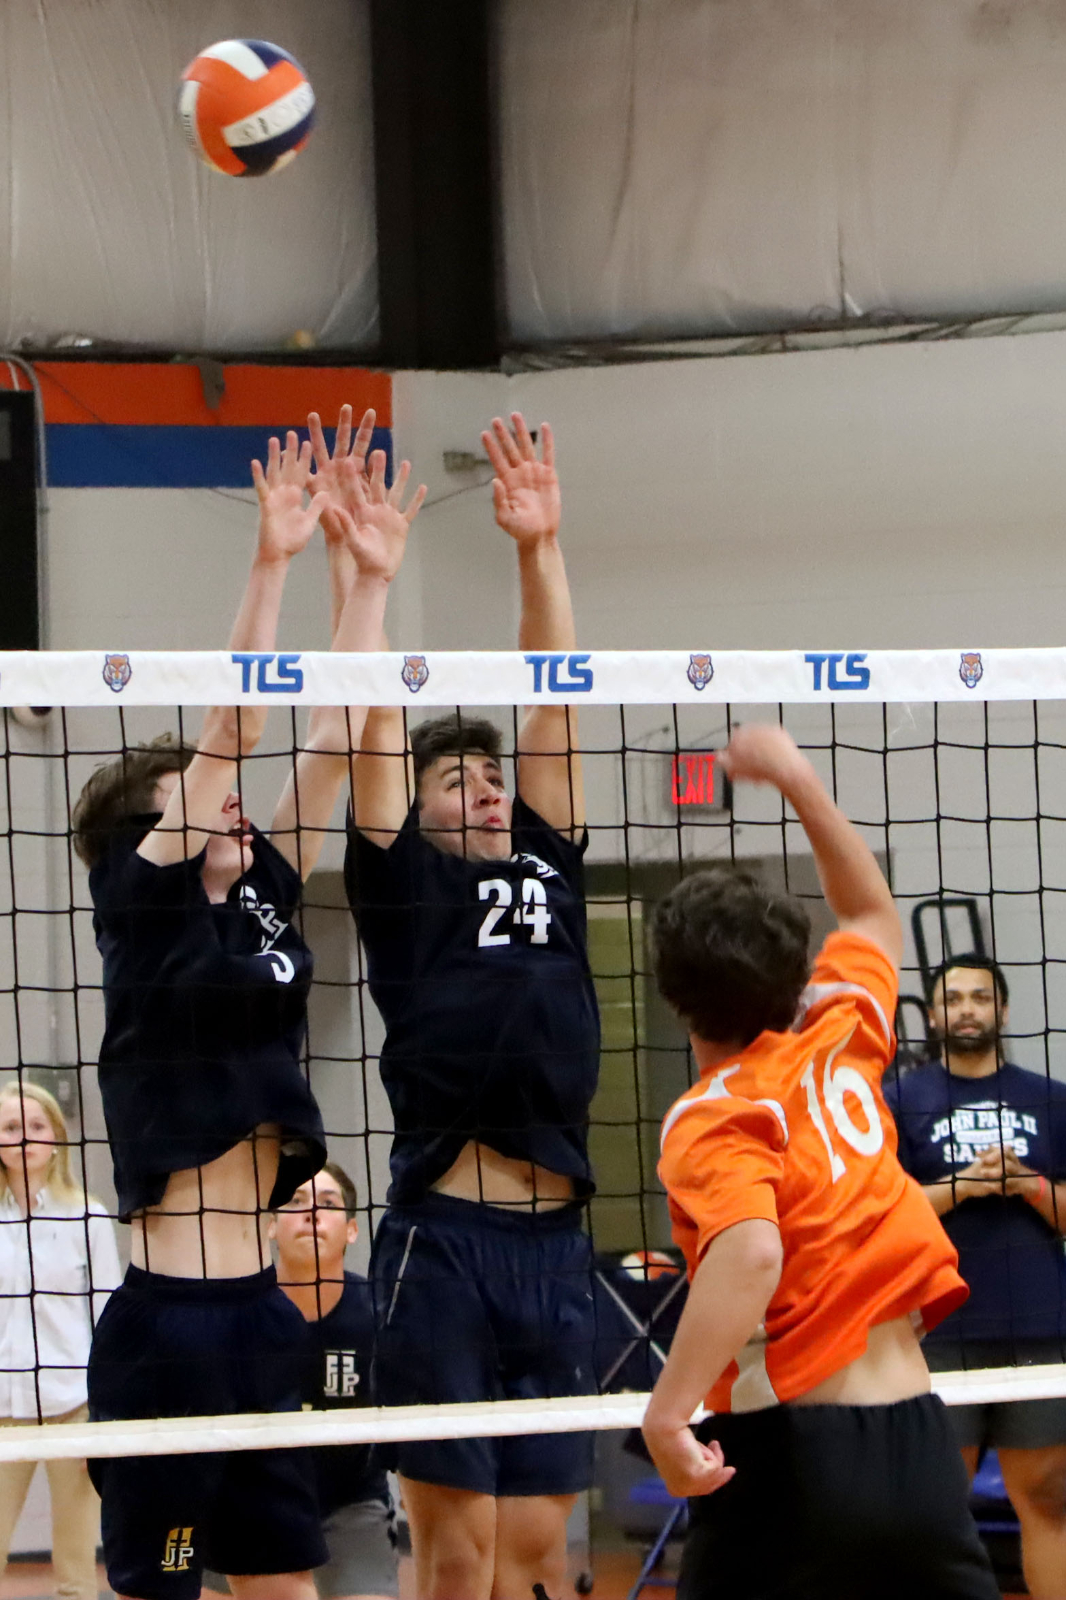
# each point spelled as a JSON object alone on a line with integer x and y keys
{"x": 378, "y": 775}
{"x": 375, "y": 537}
{"x": 231, "y": 732}
{"x": 852, "y": 882}
{"x": 526, "y": 496}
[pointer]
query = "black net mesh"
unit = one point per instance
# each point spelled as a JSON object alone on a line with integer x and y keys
{"x": 961, "y": 803}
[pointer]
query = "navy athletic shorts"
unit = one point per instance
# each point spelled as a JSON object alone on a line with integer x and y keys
{"x": 836, "y": 1503}
{"x": 474, "y": 1302}
{"x": 174, "y": 1347}
{"x": 1001, "y": 1424}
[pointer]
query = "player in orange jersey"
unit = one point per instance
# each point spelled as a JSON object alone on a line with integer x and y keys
{"x": 814, "y": 1260}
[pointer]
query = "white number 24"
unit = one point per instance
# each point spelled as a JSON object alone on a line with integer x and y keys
{"x": 533, "y": 912}
{"x": 867, "y": 1141}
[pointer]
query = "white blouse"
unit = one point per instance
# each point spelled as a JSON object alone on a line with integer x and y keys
{"x": 49, "y": 1263}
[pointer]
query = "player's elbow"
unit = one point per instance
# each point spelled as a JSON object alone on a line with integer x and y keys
{"x": 757, "y": 1257}
{"x": 764, "y": 1257}
{"x": 879, "y": 922}
{"x": 232, "y": 731}
{"x": 334, "y": 734}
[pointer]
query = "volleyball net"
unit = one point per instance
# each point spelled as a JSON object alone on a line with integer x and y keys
{"x": 951, "y": 762}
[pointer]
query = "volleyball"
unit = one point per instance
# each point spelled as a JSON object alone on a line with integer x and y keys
{"x": 246, "y": 107}
{"x": 649, "y": 1264}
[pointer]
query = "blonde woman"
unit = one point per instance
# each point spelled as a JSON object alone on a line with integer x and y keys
{"x": 47, "y": 1219}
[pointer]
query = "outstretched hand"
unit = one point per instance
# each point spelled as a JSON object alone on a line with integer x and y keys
{"x": 759, "y": 752}
{"x": 525, "y": 490}
{"x": 686, "y": 1466}
{"x": 334, "y": 473}
{"x": 375, "y": 527}
{"x": 285, "y": 523}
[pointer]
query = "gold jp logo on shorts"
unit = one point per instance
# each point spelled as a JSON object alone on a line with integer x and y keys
{"x": 178, "y": 1550}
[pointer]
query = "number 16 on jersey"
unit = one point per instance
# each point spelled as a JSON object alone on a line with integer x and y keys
{"x": 866, "y": 1141}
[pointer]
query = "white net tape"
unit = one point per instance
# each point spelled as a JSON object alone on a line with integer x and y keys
{"x": 477, "y": 678}
{"x": 394, "y": 1424}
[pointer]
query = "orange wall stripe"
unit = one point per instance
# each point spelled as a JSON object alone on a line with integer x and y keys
{"x": 171, "y": 393}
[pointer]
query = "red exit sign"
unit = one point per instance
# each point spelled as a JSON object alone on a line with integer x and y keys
{"x": 697, "y": 781}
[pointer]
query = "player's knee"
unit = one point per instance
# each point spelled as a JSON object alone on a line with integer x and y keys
{"x": 1047, "y": 1499}
{"x": 458, "y": 1548}
{"x": 535, "y": 1548}
{"x": 1043, "y": 1494}
{"x": 461, "y": 1569}
{"x": 535, "y": 1538}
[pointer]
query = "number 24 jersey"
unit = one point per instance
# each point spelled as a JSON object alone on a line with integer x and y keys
{"x": 795, "y": 1130}
{"x": 480, "y": 970}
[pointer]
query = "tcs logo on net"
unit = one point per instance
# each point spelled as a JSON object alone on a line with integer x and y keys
{"x": 838, "y": 669}
{"x": 287, "y": 677}
{"x": 578, "y": 673}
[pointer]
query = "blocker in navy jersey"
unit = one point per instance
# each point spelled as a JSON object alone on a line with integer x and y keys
{"x": 480, "y": 970}
{"x": 337, "y": 1375}
{"x": 1009, "y": 1256}
{"x": 174, "y": 1347}
{"x": 206, "y": 1016}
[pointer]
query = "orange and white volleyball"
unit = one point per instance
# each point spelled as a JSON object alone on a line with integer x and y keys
{"x": 246, "y": 107}
{"x": 649, "y": 1264}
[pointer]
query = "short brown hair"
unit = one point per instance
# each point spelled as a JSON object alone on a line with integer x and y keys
{"x": 453, "y": 735}
{"x": 346, "y": 1187}
{"x": 123, "y": 788}
{"x": 730, "y": 957}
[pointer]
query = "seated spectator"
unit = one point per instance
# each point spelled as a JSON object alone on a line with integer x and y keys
{"x": 987, "y": 1141}
{"x": 312, "y": 1233}
{"x": 57, "y": 1252}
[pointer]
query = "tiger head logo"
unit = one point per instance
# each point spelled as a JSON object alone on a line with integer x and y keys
{"x": 415, "y": 673}
{"x": 971, "y": 670}
{"x": 117, "y": 672}
{"x": 700, "y": 671}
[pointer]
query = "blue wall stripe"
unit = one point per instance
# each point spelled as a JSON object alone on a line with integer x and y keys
{"x": 112, "y": 455}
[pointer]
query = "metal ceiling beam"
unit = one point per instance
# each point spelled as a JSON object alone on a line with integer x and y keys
{"x": 434, "y": 161}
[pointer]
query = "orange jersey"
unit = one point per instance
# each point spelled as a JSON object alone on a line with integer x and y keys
{"x": 795, "y": 1131}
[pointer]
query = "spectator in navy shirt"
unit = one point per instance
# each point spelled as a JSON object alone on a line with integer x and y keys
{"x": 987, "y": 1141}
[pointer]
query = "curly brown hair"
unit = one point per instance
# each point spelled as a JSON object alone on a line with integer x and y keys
{"x": 123, "y": 788}
{"x": 729, "y": 956}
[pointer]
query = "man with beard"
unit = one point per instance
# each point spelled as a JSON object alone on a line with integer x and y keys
{"x": 987, "y": 1141}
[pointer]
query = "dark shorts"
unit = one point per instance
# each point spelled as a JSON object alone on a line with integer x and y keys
{"x": 173, "y": 1347}
{"x": 837, "y": 1503}
{"x": 477, "y": 1303}
{"x": 1002, "y": 1424}
{"x": 363, "y": 1555}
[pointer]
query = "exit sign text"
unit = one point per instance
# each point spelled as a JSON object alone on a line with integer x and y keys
{"x": 697, "y": 782}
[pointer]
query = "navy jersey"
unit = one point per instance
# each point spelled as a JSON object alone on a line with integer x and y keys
{"x": 206, "y": 1016}
{"x": 338, "y": 1375}
{"x": 1009, "y": 1256}
{"x": 480, "y": 970}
